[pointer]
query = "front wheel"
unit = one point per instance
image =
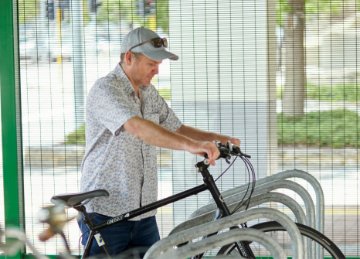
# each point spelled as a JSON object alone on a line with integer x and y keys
{"x": 314, "y": 235}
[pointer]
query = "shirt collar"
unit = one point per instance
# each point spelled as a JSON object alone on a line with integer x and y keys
{"x": 120, "y": 74}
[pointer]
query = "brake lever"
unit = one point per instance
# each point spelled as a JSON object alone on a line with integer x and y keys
{"x": 226, "y": 151}
{"x": 236, "y": 150}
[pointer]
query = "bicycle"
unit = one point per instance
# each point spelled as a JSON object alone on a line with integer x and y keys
{"x": 242, "y": 248}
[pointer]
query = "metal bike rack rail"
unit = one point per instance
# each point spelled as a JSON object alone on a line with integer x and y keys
{"x": 319, "y": 197}
{"x": 238, "y": 193}
{"x": 231, "y": 236}
{"x": 319, "y": 194}
{"x": 255, "y": 201}
{"x": 319, "y": 200}
{"x": 315, "y": 216}
{"x": 167, "y": 244}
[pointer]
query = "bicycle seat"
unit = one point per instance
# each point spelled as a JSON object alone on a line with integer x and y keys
{"x": 74, "y": 199}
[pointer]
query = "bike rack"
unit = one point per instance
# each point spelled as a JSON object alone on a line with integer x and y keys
{"x": 255, "y": 201}
{"x": 238, "y": 193}
{"x": 166, "y": 245}
{"x": 319, "y": 196}
{"x": 315, "y": 215}
{"x": 231, "y": 236}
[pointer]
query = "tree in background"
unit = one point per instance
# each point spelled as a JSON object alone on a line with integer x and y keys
{"x": 27, "y": 10}
{"x": 295, "y": 76}
{"x": 292, "y": 17}
{"x": 149, "y": 13}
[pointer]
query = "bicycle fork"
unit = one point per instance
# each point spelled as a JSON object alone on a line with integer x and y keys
{"x": 243, "y": 247}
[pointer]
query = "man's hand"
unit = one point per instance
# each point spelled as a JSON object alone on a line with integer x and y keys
{"x": 208, "y": 148}
{"x": 235, "y": 141}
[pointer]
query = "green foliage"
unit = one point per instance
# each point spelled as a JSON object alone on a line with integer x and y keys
{"x": 340, "y": 92}
{"x": 336, "y": 129}
{"x": 112, "y": 11}
{"x": 331, "y": 7}
{"x": 324, "y": 6}
{"x": 162, "y": 15}
{"x": 77, "y": 136}
{"x": 330, "y": 93}
{"x": 165, "y": 92}
{"x": 115, "y": 11}
{"x": 28, "y": 10}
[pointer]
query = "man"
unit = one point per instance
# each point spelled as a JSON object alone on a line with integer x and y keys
{"x": 126, "y": 121}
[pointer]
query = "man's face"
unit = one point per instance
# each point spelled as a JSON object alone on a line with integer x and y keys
{"x": 144, "y": 69}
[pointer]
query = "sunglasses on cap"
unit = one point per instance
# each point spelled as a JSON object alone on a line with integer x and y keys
{"x": 156, "y": 42}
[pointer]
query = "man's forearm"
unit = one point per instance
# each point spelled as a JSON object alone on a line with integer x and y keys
{"x": 156, "y": 135}
{"x": 202, "y": 135}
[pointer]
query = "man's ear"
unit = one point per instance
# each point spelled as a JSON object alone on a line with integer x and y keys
{"x": 128, "y": 58}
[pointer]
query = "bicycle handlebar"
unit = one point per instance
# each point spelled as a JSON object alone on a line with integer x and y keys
{"x": 227, "y": 151}
{"x": 230, "y": 149}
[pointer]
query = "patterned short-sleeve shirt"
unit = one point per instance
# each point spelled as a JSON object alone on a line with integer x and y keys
{"x": 114, "y": 159}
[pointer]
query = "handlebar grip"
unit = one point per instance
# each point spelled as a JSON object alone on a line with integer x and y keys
{"x": 228, "y": 150}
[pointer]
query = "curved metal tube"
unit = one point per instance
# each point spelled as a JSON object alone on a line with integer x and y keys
{"x": 255, "y": 201}
{"x": 14, "y": 247}
{"x": 212, "y": 227}
{"x": 264, "y": 188}
{"x": 229, "y": 237}
{"x": 319, "y": 196}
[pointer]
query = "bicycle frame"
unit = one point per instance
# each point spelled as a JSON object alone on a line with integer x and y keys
{"x": 209, "y": 184}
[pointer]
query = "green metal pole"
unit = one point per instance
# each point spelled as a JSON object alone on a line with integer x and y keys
{"x": 10, "y": 117}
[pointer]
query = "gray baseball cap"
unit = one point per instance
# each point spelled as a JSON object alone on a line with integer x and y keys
{"x": 147, "y": 42}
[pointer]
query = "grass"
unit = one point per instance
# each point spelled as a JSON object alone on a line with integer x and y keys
{"x": 338, "y": 92}
{"x": 336, "y": 129}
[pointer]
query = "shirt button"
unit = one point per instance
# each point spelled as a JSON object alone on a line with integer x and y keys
{"x": 117, "y": 132}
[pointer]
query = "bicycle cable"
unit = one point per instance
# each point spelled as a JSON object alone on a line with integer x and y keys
{"x": 246, "y": 199}
{"x": 251, "y": 172}
{"x": 230, "y": 165}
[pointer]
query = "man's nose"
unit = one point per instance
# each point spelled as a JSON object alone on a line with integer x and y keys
{"x": 156, "y": 70}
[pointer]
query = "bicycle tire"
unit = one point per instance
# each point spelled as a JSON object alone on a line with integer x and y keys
{"x": 306, "y": 231}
